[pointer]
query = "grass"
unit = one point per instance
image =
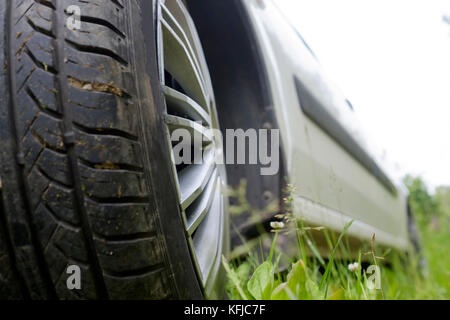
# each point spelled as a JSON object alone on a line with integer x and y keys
{"x": 313, "y": 276}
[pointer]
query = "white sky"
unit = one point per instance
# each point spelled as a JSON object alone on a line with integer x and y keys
{"x": 391, "y": 58}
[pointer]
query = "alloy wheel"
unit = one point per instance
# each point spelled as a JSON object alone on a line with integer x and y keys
{"x": 190, "y": 106}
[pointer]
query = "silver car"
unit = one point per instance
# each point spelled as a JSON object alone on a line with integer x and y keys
{"x": 99, "y": 198}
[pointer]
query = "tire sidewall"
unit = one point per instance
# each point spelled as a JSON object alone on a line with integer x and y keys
{"x": 157, "y": 155}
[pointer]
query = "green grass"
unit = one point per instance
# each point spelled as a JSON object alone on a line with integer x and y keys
{"x": 313, "y": 276}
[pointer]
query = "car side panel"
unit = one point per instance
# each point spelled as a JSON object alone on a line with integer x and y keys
{"x": 333, "y": 186}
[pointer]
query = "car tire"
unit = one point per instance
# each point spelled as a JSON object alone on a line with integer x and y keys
{"x": 86, "y": 171}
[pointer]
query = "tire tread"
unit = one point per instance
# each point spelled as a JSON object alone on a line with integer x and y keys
{"x": 76, "y": 172}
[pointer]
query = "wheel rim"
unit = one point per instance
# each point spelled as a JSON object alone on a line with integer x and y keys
{"x": 190, "y": 105}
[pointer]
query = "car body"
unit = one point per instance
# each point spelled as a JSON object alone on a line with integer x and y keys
{"x": 93, "y": 101}
{"x": 337, "y": 179}
{"x": 325, "y": 154}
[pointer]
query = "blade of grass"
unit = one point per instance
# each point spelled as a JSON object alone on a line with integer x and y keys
{"x": 300, "y": 235}
{"x": 315, "y": 251}
{"x": 328, "y": 239}
{"x": 330, "y": 263}
{"x": 272, "y": 248}
{"x": 232, "y": 275}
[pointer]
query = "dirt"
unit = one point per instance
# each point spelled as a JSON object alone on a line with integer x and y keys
{"x": 96, "y": 86}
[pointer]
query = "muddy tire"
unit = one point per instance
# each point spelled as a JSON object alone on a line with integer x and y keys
{"x": 85, "y": 173}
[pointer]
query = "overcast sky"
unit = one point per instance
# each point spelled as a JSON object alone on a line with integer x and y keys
{"x": 391, "y": 58}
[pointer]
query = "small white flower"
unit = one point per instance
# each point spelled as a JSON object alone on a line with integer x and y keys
{"x": 353, "y": 266}
{"x": 277, "y": 225}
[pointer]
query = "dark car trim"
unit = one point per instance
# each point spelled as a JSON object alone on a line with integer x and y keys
{"x": 318, "y": 113}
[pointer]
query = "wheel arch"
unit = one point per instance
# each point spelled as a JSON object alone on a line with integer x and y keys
{"x": 243, "y": 98}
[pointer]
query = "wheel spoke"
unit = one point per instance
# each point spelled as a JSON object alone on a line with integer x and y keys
{"x": 198, "y": 210}
{"x": 194, "y": 178}
{"x": 194, "y": 128}
{"x": 183, "y": 105}
{"x": 177, "y": 28}
{"x": 208, "y": 237}
{"x": 179, "y": 63}
{"x": 184, "y": 20}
